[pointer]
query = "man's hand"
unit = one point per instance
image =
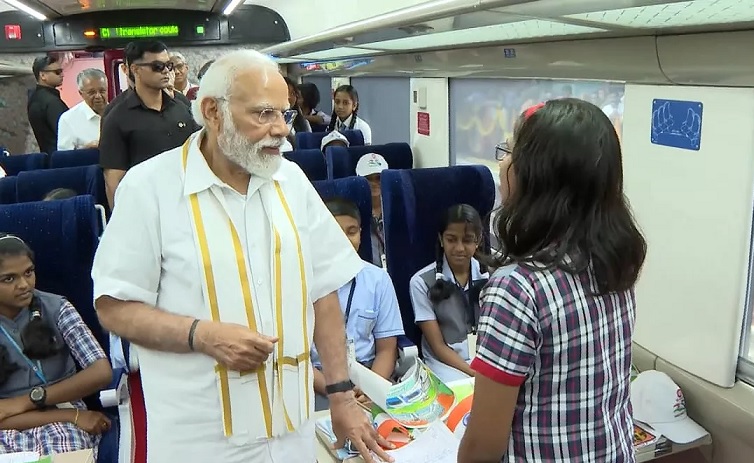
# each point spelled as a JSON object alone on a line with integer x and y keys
{"x": 349, "y": 422}
{"x": 234, "y": 346}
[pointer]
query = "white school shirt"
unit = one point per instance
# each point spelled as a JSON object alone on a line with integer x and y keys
{"x": 147, "y": 254}
{"x": 424, "y": 311}
{"x": 374, "y": 312}
{"x": 360, "y": 124}
{"x": 78, "y": 127}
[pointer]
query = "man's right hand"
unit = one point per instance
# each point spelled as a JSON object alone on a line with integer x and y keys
{"x": 234, "y": 346}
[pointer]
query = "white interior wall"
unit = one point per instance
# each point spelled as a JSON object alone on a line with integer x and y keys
{"x": 432, "y": 150}
{"x": 695, "y": 208}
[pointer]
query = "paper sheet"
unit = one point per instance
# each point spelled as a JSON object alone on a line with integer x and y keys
{"x": 21, "y": 457}
{"x": 435, "y": 445}
{"x": 373, "y": 385}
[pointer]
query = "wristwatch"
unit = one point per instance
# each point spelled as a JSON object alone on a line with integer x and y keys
{"x": 38, "y": 396}
{"x": 343, "y": 386}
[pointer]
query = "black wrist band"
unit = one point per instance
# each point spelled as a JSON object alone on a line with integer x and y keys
{"x": 191, "y": 334}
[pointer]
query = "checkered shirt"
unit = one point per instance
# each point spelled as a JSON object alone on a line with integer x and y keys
{"x": 570, "y": 353}
{"x": 61, "y": 437}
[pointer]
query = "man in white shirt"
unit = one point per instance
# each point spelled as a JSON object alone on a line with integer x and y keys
{"x": 216, "y": 263}
{"x": 78, "y": 127}
{"x": 182, "y": 82}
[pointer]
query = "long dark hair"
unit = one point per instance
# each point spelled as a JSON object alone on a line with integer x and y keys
{"x": 567, "y": 209}
{"x": 460, "y": 213}
{"x": 38, "y": 338}
{"x": 355, "y": 97}
{"x": 299, "y": 122}
{"x": 309, "y": 96}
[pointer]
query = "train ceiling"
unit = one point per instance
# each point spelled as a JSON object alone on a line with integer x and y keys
{"x": 468, "y": 24}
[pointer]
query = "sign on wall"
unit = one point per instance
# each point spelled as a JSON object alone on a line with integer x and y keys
{"x": 677, "y": 124}
{"x": 422, "y": 123}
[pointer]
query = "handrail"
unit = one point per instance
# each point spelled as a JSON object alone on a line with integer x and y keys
{"x": 422, "y": 12}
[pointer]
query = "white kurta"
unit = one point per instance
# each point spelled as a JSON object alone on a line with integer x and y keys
{"x": 147, "y": 254}
{"x": 78, "y": 127}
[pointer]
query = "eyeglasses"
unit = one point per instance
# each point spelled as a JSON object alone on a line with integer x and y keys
{"x": 271, "y": 115}
{"x": 502, "y": 150}
{"x": 157, "y": 66}
{"x": 54, "y": 71}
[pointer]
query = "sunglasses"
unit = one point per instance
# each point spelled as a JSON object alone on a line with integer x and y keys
{"x": 54, "y": 71}
{"x": 157, "y": 66}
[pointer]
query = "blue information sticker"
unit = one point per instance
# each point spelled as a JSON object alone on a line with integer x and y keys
{"x": 677, "y": 124}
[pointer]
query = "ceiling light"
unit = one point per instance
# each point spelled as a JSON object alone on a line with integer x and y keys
{"x": 26, "y": 9}
{"x": 228, "y": 9}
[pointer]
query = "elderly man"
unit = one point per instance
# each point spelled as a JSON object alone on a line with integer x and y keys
{"x": 217, "y": 261}
{"x": 79, "y": 126}
{"x": 182, "y": 83}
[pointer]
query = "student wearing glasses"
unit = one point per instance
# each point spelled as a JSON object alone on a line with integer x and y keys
{"x": 148, "y": 121}
{"x": 553, "y": 360}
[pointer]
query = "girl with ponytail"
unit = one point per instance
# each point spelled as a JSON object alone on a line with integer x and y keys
{"x": 42, "y": 342}
{"x": 345, "y": 114}
{"x": 445, "y": 293}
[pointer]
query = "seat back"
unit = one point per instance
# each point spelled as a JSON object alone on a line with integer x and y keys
{"x": 23, "y": 162}
{"x": 64, "y": 236}
{"x": 312, "y": 162}
{"x": 341, "y": 161}
{"x": 312, "y": 140}
{"x": 84, "y": 180}
{"x": 357, "y": 190}
{"x": 74, "y": 158}
{"x": 413, "y": 203}
{"x": 8, "y": 190}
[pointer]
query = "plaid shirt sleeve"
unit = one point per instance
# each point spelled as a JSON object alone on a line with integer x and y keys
{"x": 508, "y": 331}
{"x": 77, "y": 336}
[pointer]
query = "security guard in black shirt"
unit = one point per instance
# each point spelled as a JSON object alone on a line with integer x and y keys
{"x": 45, "y": 106}
{"x": 146, "y": 122}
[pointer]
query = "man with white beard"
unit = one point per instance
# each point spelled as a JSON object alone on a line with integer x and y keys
{"x": 215, "y": 264}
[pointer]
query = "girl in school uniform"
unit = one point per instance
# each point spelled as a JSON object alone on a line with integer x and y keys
{"x": 445, "y": 294}
{"x": 309, "y": 101}
{"x": 345, "y": 114}
{"x": 42, "y": 342}
{"x": 553, "y": 359}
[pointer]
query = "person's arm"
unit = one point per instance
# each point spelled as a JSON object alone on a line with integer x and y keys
{"x": 66, "y": 135}
{"x": 330, "y": 339}
{"x": 506, "y": 350}
{"x": 95, "y": 371}
{"x": 388, "y": 327}
{"x": 36, "y": 418}
{"x": 126, "y": 274}
{"x": 424, "y": 316}
{"x": 113, "y": 158}
{"x": 319, "y": 382}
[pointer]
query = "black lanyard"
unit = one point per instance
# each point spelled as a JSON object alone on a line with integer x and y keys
{"x": 350, "y": 299}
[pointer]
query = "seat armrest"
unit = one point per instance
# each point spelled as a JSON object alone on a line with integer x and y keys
{"x": 408, "y": 353}
{"x": 117, "y": 392}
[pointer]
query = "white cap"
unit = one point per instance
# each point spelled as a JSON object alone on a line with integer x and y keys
{"x": 658, "y": 402}
{"x": 369, "y": 164}
{"x": 334, "y": 136}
